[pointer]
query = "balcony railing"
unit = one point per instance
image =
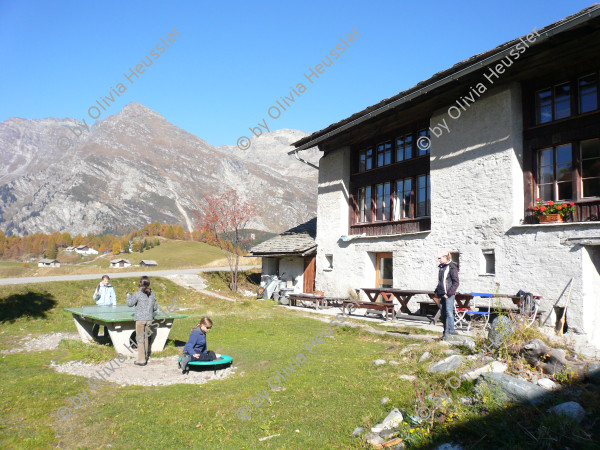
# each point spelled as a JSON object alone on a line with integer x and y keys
{"x": 386, "y": 228}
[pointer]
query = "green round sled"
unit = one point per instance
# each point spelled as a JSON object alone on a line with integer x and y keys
{"x": 223, "y": 359}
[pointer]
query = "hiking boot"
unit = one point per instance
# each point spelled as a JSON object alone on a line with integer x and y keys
{"x": 185, "y": 359}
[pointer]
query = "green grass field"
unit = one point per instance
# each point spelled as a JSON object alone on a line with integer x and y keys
{"x": 171, "y": 254}
{"x": 334, "y": 390}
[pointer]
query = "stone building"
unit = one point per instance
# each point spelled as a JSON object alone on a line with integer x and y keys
{"x": 457, "y": 161}
{"x": 291, "y": 255}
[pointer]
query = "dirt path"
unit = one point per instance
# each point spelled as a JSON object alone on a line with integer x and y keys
{"x": 158, "y": 372}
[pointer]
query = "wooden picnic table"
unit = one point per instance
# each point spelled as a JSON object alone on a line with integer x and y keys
{"x": 120, "y": 324}
{"x": 402, "y": 295}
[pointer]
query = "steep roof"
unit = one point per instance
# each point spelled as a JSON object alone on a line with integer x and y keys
{"x": 114, "y": 261}
{"x": 443, "y": 79}
{"x": 47, "y": 261}
{"x": 299, "y": 240}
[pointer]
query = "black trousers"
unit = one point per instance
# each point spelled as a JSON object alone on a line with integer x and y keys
{"x": 208, "y": 356}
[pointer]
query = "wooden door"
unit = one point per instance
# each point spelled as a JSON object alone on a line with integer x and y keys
{"x": 309, "y": 274}
{"x": 384, "y": 271}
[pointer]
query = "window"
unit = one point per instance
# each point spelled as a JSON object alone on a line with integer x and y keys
{"x": 588, "y": 93}
{"x": 555, "y": 171}
{"x": 382, "y": 202}
{"x": 365, "y": 160}
{"x": 404, "y": 147}
{"x": 590, "y": 168}
{"x": 423, "y": 195}
{"x": 543, "y": 106}
{"x": 455, "y": 258}
{"x": 403, "y": 199}
{"x": 384, "y": 154}
{"x": 488, "y": 262}
{"x": 562, "y": 101}
{"x": 329, "y": 259}
{"x": 423, "y": 142}
{"x": 553, "y": 103}
{"x": 364, "y": 204}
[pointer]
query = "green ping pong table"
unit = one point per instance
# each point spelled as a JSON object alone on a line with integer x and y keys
{"x": 121, "y": 325}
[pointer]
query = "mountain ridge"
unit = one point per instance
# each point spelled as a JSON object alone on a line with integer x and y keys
{"x": 135, "y": 167}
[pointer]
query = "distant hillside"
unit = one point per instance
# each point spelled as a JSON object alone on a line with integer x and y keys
{"x": 134, "y": 168}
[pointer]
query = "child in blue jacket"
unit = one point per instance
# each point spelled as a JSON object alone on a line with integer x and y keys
{"x": 195, "y": 349}
{"x": 105, "y": 293}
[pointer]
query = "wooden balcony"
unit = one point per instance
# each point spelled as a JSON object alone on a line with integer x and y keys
{"x": 387, "y": 228}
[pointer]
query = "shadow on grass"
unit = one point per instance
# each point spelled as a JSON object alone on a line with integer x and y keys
{"x": 253, "y": 278}
{"x": 527, "y": 426}
{"x": 29, "y": 304}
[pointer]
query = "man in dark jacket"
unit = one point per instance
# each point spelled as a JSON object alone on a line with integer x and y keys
{"x": 446, "y": 289}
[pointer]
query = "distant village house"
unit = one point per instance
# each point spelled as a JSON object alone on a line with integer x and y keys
{"x": 148, "y": 263}
{"x": 48, "y": 263}
{"x": 118, "y": 263}
{"x": 86, "y": 250}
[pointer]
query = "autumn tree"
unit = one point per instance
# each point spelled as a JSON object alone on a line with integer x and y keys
{"x": 225, "y": 217}
{"x": 51, "y": 250}
{"x": 116, "y": 248}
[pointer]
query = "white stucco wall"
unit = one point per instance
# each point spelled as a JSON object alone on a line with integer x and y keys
{"x": 292, "y": 268}
{"x": 477, "y": 203}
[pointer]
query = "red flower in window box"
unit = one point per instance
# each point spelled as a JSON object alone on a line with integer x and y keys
{"x": 550, "y": 208}
{"x": 537, "y": 199}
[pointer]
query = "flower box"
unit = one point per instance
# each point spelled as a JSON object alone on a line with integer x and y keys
{"x": 551, "y": 218}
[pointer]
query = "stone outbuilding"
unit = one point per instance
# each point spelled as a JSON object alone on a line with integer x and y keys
{"x": 458, "y": 162}
{"x": 291, "y": 255}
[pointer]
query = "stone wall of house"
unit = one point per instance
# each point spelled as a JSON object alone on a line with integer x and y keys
{"x": 477, "y": 207}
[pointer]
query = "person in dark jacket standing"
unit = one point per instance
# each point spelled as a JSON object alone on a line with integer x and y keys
{"x": 145, "y": 304}
{"x": 446, "y": 289}
{"x": 195, "y": 348}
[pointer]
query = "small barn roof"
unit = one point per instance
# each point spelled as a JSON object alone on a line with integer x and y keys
{"x": 299, "y": 240}
{"x": 47, "y": 261}
{"x": 115, "y": 261}
{"x": 149, "y": 262}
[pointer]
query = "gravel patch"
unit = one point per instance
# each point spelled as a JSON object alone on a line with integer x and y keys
{"x": 39, "y": 343}
{"x": 158, "y": 372}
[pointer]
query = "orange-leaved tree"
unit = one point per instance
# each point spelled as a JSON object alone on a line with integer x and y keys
{"x": 224, "y": 217}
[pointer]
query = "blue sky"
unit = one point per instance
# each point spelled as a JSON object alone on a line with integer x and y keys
{"x": 234, "y": 60}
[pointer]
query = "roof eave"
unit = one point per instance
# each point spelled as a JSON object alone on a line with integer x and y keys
{"x": 307, "y": 142}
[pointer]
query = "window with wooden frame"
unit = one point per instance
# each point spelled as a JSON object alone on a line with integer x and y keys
{"x": 423, "y": 196}
{"x": 365, "y": 160}
{"x": 555, "y": 170}
{"x": 386, "y": 199}
{"x": 403, "y": 200}
{"x": 384, "y": 154}
{"x": 562, "y": 140}
{"x": 590, "y": 168}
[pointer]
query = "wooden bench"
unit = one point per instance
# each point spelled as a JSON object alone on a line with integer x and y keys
{"x": 349, "y": 306}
